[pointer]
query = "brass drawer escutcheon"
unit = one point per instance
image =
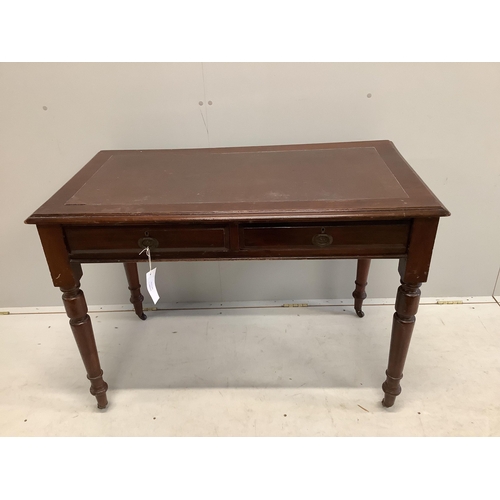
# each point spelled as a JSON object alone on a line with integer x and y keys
{"x": 322, "y": 240}
{"x": 152, "y": 243}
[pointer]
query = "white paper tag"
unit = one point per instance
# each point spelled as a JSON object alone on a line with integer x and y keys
{"x": 150, "y": 280}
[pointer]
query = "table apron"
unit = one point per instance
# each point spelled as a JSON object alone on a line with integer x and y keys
{"x": 372, "y": 239}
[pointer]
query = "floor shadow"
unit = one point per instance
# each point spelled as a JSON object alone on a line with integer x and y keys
{"x": 261, "y": 348}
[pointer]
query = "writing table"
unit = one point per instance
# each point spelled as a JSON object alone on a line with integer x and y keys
{"x": 356, "y": 200}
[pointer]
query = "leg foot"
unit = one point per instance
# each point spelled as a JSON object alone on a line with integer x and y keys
{"x": 402, "y": 327}
{"x": 359, "y": 293}
{"x": 134, "y": 286}
{"x": 79, "y": 320}
{"x": 100, "y": 395}
{"x": 102, "y": 403}
{"x": 388, "y": 401}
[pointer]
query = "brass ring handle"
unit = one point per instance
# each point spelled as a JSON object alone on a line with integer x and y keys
{"x": 322, "y": 240}
{"x": 152, "y": 243}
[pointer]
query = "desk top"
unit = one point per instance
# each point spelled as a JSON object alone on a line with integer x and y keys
{"x": 351, "y": 180}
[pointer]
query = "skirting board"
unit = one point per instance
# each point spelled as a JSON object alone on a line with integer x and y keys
{"x": 251, "y": 304}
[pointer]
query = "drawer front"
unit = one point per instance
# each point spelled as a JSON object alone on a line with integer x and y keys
{"x": 102, "y": 240}
{"x": 330, "y": 239}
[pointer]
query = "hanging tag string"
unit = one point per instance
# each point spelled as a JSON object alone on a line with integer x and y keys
{"x": 148, "y": 253}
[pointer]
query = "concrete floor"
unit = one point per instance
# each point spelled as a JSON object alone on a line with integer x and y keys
{"x": 312, "y": 371}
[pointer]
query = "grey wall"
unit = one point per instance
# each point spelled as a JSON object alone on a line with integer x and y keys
{"x": 443, "y": 117}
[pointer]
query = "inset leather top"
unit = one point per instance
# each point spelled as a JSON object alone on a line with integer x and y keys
{"x": 315, "y": 181}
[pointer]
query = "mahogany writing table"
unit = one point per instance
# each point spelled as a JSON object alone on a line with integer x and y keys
{"x": 356, "y": 200}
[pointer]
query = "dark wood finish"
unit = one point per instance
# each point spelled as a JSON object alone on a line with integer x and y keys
{"x": 331, "y": 186}
{"x": 111, "y": 243}
{"x": 414, "y": 270}
{"x": 76, "y": 309}
{"x": 125, "y": 240}
{"x": 356, "y": 200}
{"x": 383, "y": 237}
{"x": 62, "y": 270}
{"x": 66, "y": 275}
{"x": 361, "y": 281}
{"x": 134, "y": 286}
{"x": 402, "y": 327}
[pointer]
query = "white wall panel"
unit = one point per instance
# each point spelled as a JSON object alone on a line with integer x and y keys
{"x": 442, "y": 117}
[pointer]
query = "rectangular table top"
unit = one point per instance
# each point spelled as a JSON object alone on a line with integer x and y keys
{"x": 351, "y": 180}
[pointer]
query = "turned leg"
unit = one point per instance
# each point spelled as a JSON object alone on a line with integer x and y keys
{"x": 402, "y": 327}
{"x": 361, "y": 281}
{"x": 135, "y": 288}
{"x": 76, "y": 308}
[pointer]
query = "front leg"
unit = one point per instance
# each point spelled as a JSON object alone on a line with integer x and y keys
{"x": 403, "y": 322}
{"x": 76, "y": 308}
{"x": 414, "y": 270}
{"x": 66, "y": 275}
